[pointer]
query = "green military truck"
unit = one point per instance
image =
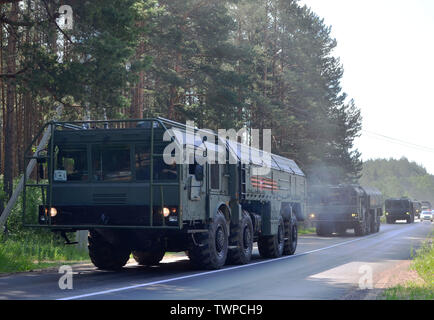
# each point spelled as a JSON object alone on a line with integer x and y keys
{"x": 112, "y": 178}
{"x": 399, "y": 209}
{"x": 334, "y": 209}
{"x": 426, "y": 206}
{"x": 417, "y": 208}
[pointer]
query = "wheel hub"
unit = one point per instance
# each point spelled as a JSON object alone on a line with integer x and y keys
{"x": 220, "y": 241}
{"x": 247, "y": 239}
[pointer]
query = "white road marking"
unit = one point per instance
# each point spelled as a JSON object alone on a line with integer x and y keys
{"x": 225, "y": 269}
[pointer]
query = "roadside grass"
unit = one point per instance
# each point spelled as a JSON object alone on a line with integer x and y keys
{"x": 21, "y": 255}
{"x": 25, "y": 249}
{"x": 423, "y": 264}
{"x": 303, "y": 230}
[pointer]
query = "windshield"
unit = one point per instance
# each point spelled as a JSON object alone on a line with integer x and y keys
{"x": 333, "y": 196}
{"x": 114, "y": 163}
{"x": 71, "y": 163}
{"x": 397, "y": 204}
{"x": 111, "y": 163}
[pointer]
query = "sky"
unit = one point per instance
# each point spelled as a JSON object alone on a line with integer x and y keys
{"x": 387, "y": 51}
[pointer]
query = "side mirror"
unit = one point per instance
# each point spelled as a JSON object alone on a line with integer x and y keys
{"x": 198, "y": 172}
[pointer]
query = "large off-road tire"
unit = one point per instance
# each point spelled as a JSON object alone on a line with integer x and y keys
{"x": 360, "y": 229}
{"x": 211, "y": 248}
{"x": 410, "y": 219}
{"x": 241, "y": 237}
{"x": 368, "y": 225}
{"x": 105, "y": 255}
{"x": 291, "y": 236}
{"x": 373, "y": 227}
{"x": 378, "y": 225}
{"x": 272, "y": 246}
{"x": 150, "y": 257}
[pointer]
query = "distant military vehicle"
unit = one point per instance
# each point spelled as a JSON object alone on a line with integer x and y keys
{"x": 115, "y": 183}
{"x": 399, "y": 209}
{"x": 338, "y": 208}
{"x": 426, "y": 205}
{"x": 416, "y": 207}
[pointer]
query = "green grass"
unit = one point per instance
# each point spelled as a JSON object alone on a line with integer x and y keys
{"x": 20, "y": 255}
{"x": 27, "y": 249}
{"x": 409, "y": 291}
{"x": 424, "y": 265}
{"x": 302, "y": 230}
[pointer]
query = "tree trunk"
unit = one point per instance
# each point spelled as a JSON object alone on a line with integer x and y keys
{"x": 9, "y": 120}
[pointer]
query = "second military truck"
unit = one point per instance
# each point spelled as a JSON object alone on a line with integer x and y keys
{"x": 111, "y": 178}
{"x": 338, "y": 208}
{"x": 399, "y": 209}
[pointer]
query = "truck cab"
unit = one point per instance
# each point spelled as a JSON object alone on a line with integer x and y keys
{"x": 399, "y": 209}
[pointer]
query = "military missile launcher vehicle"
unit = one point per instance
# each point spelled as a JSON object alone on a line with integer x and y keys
{"x": 416, "y": 208}
{"x": 426, "y": 206}
{"x": 399, "y": 209}
{"x": 334, "y": 209}
{"x": 113, "y": 179}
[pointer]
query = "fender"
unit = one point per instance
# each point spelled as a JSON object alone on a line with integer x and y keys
{"x": 227, "y": 213}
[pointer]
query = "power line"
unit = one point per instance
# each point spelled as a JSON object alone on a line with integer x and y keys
{"x": 399, "y": 141}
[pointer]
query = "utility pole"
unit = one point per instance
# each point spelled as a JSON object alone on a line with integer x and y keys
{"x": 44, "y": 141}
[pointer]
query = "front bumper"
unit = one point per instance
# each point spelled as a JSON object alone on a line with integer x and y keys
{"x": 106, "y": 216}
{"x": 398, "y": 216}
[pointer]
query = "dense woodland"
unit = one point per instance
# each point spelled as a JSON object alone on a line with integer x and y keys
{"x": 224, "y": 64}
{"x": 398, "y": 178}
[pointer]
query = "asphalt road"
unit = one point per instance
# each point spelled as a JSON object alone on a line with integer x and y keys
{"x": 322, "y": 268}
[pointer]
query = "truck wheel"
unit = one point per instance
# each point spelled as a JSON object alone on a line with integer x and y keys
{"x": 272, "y": 246}
{"x": 368, "y": 224}
{"x": 291, "y": 236}
{"x": 148, "y": 258}
{"x": 211, "y": 248}
{"x": 360, "y": 229}
{"x": 241, "y": 236}
{"x": 105, "y": 255}
{"x": 373, "y": 224}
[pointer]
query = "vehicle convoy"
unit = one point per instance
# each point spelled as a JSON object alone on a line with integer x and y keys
{"x": 112, "y": 178}
{"x": 341, "y": 207}
{"x": 399, "y": 209}
{"x": 416, "y": 207}
{"x": 426, "y": 205}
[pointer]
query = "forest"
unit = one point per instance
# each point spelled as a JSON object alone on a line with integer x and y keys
{"x": 262, "y": 64}
{"x": 398, "y": 178}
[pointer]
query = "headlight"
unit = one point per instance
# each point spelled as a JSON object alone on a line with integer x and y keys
{"x": 53, "y": 212}
{"x": 407, "y": 213}
{"x": 166, "y": 212}
{"x": 312, "y": 216}
{"x": 387, "y": 213}
{"x": 354, "y": 215}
